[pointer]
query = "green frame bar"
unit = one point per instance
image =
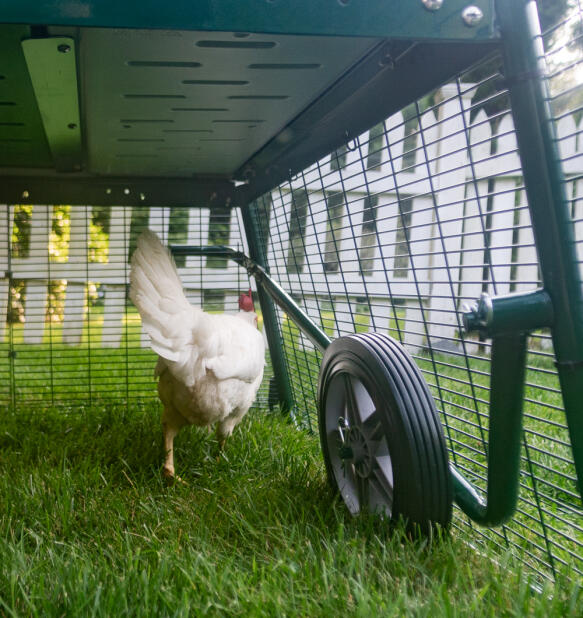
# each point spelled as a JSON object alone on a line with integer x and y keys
{"x": 553, "y": 226}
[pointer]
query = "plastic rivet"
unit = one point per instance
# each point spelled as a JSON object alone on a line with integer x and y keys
{"x": 126, "y": 191}
{"x": 432, "y": 5}
{"x": 472, "y": 15}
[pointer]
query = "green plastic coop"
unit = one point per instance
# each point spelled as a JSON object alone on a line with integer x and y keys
{"x": 401, "y": 182}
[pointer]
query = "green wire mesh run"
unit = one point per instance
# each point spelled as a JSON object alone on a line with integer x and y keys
{"x": 398, "y": 229}
{"x": 70, "y": 335}
{"x": 393, "y": 232}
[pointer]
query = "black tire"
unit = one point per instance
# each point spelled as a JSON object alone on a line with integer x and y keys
{"x": 381, "y": 436}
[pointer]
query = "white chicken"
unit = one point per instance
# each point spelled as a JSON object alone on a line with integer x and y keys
{"x": 209, "y": 366}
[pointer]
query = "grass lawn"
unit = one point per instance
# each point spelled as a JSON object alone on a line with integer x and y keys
{"x": 88, "y": 528}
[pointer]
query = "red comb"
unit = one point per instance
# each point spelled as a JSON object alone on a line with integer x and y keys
{"x": 246, "y": 302}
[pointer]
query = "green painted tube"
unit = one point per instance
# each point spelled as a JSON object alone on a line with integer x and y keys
{"x": 505, "y": 431}
{"x": 266, "y": 285}
{"x": 553, "y": 227}
{"x": 270, "y": 324}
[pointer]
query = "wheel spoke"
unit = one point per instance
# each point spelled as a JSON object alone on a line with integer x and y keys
{"x": 352, "y": 415}
{"x": 359, "y": 405}
{"x": 382, "y": 477}
{"x": 373, "y": 428}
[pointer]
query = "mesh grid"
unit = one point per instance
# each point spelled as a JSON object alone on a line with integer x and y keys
{"x": 400, "y": 228}
{"x": 393, "y": 232}
{"x": 71, "y": 334}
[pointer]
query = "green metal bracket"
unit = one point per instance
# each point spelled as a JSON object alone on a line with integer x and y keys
{"x": 53, "y": 73}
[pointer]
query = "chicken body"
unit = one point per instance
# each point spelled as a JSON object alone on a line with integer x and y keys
{"x": 209, "y": 366}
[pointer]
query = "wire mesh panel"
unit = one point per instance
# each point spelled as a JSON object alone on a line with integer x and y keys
{"x": 70, "y": 333}
{"x": 398, "y": 229}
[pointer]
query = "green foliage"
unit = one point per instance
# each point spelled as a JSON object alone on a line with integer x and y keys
{"x": 99, "y": 234}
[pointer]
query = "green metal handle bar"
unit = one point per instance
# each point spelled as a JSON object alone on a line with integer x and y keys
{"x": 315, "y": 334}
{"x": 508, "y": 368}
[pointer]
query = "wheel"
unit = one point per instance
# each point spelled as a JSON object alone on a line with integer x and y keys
{"x": 381, "y": 437}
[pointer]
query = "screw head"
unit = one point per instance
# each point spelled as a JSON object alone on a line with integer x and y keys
{"x": 64, "y": 48}
{"x": 472, "y": 15}
{"x": 72, "y": 125}
{"x": 432, "y": 5}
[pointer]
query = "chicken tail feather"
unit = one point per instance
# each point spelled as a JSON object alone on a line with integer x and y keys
{"x": 156, "y": 290}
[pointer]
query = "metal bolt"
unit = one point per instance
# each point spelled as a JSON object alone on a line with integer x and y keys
{"x": 64, "y": 48}
{"x": 386, "y": 60}
{"x": 72, "y": 125}
{"x": 432, "y": 5}
{"x": 472, "y": 15}
{"x": 25, "y": 194}
{"x": 142, "y": 197}
{"x": 126, "y": 191}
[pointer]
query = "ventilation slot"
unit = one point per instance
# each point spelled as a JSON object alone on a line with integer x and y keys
{"x": 285, "y": 66}
{"x": 237, "y": 44}
{"x": 154, "y": 96}
{"x": 146, "y": 120}
{"x": 187, "y": 131}
{"x": 140, "y": 139}
{"x": 199, "y": 109}
{"x": 258, "y": 97}
{"x": 163, "y": 63}
{"x": 214, "y": 82}
{"x": 178, "y": 148}
{"x": 237, "y": 121}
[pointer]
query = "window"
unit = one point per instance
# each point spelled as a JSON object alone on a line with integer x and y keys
{"x": 178, "y": 231}
{"x": 338, "y": 158}
{"x": 296, "y": 255}
{"x": 213, "y": 300}
{"x": 401, "y": 267}
{"x": 368, "y": 241}
{"x": 219, "y": 232}
{"x": 410, "y": 140}
{"x": 335, "y": 210}
{"x": 375, "y": 147}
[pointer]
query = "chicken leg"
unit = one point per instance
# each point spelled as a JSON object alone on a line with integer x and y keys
{"x": 172, "y": 422}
